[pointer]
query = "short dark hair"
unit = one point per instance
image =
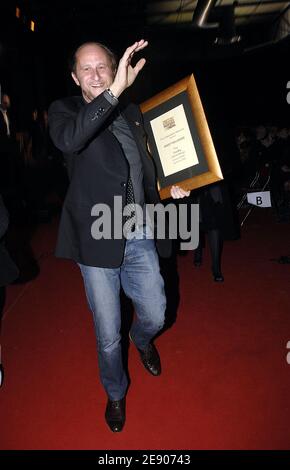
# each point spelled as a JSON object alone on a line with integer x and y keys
{"x": 110, "y": 54}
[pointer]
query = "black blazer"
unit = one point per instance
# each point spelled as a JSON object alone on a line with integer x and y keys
{"x": 3, "y": 128}
{"x": 4, "y": 139}
{"x": 8, "y": 144}
{"x": 98, "y": 171}
{"x": 8, "y": 270}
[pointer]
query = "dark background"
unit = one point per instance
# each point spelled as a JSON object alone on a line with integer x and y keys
{"x": 243, "y": 84}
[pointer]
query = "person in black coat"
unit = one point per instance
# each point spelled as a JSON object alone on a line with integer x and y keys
{"x": 216, "y": 221}
{"x": 218, "y": 216}
{"x": 8, "y": 270}
{"x": 8, "y": 145}
{"x": 110, "y": 170}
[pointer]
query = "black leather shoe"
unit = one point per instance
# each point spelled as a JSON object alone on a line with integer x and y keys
{"x": 151, "y": 360}
{"x": 116, "y": 414}
{"x": 218, "y": 277}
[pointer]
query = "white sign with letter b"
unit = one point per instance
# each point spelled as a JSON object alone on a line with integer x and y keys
{"x": 260, "y": 199}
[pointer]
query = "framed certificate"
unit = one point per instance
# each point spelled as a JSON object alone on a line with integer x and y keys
{"x": 179, "y": 138}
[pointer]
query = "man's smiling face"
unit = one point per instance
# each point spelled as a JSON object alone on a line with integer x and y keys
{"x": 93, "y": 71}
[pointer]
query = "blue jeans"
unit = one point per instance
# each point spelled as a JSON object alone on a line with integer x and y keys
{"x": 141, "y": 280}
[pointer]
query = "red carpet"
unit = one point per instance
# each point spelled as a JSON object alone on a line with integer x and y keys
{"x": 225, "y": 381}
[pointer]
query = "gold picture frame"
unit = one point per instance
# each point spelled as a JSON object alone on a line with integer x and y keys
{"x": 179, "y": 138}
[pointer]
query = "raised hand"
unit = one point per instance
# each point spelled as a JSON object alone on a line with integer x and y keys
{"x": 126, "y": 74}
